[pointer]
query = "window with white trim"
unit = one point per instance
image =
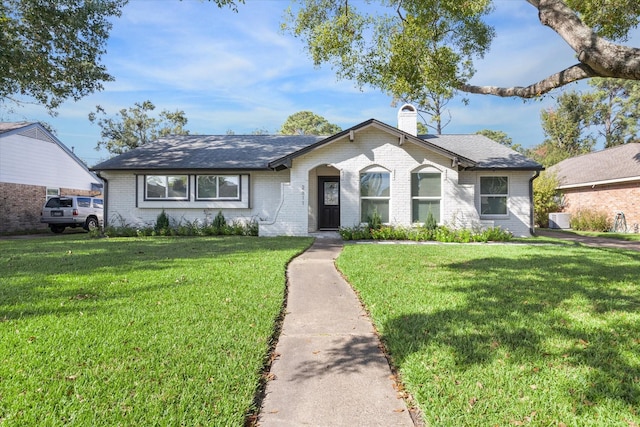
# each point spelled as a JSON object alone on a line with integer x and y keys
{"x": 494, "y": 193}
{"x": 218, "y": 187}
{"x": 374, "y": 195}
{"x": 166, "y": 187}
{"x": 426, "y": 195}
{"x": 52, "y": 192}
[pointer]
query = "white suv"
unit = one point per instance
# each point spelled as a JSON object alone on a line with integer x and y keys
{"x": 72, "y": 211}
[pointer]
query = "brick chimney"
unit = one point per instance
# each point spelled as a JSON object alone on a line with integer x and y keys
{"x": 408, "y": 119}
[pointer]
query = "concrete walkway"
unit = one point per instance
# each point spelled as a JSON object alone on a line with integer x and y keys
{"x": 329, "y": 369}
{"x": 600, "y": 242}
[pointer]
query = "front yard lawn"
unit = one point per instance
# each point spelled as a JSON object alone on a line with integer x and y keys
{"x": 162, "y": 331}
{"x": 500, "y": 335}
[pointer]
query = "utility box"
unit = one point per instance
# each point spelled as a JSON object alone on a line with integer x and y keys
{"x": 560, "y": 220}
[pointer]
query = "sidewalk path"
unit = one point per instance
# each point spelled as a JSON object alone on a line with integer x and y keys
{"x": 601, "y": 242}
{"x": 329, "y": 369}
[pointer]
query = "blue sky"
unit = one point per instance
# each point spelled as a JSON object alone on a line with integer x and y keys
{"x": 238, "y": 71}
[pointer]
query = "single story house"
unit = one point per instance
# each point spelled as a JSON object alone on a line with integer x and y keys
{"x": 607, "y": 180}
{"x": 300, "y": 184}
{"x": 34, "y": 165}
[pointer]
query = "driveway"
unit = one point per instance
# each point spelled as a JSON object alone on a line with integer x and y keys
{"x": 600, "y": 242}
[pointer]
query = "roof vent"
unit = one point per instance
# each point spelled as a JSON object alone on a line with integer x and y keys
{"x": 408, "y": 119}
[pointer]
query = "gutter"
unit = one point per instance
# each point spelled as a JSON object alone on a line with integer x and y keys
{"x": 532, "y": 229}
{"x": 105, "y": 206}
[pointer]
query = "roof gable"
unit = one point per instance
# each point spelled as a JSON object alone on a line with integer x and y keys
{"x": 37, "y": 131}
{"x": 621, "y": 163}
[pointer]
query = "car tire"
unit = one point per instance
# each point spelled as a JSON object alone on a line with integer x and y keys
{"x": 91, "y": 223}
{"x": 57, "y": 228}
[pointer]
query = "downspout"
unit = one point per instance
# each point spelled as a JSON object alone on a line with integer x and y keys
{"x": 105, "y": 209}
{"x": 532, "y": 229}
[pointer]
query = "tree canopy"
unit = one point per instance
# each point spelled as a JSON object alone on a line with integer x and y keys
{"x": 134, "y": 126}
{"x": 413, "y": 49}
{"x": 308, "y": 123}
{"x": 609, "y": 114}
{"x": 51, "y": 51}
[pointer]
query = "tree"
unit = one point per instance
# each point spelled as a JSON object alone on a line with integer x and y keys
{"x": 411, "y": 47}
{"x": 133, "y": 126}
{"x": 545, "y": 198}
{"x": 51, "y": 51}
{"x": 308, "y": 123}
{"x": 502, "y": 138}
{"x": 566, "y": 129}
{"x": 616, "y": 110}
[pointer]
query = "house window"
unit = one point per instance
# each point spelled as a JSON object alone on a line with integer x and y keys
{"x": 218, "y": 187}
{"x": 166, "y": 187}
{"x": 374, "y": 195}
{"x": 494, "y": 191}
{"x": 426, "y": 193}
{"x": 52, "y": 192}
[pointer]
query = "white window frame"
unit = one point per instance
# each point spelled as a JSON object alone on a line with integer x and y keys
{"x": 217, "y": 180}
{"x": 415, "y": 198}
{"x": 377, "y": 170}
{"x": 166, "y": 186}
{"x": 52, "y": 192}
{"x": 495, "y": 195}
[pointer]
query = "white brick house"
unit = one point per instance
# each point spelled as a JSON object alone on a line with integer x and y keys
{"x": 299, "y": 184}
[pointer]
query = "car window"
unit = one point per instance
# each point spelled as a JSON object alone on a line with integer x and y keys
{"x": 84, "y": 202}
{"x": 66, "y": 203}
{"x": 97, "y": 203}
{"x": 54, "y": 202}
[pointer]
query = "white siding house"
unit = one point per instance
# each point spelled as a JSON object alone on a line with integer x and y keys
{"x": 34, "y": 164}
{"x": 296, "y": 185}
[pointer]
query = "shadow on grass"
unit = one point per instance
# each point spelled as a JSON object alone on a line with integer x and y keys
{"x": 517, "y": 306}
{"x": 31, "y": 283}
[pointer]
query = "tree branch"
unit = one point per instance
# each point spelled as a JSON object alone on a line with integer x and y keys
{"x": 569, "y": 75}
{"x": 598, "y": 57}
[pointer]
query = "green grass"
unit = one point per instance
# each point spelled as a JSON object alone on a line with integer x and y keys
{"x": 484, "y": 335}
{"x": 151, "y": 331}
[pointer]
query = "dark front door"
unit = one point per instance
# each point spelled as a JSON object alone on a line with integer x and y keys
{"x": 328, "y": 202}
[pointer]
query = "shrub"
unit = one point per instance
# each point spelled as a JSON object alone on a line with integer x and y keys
{"x": 162, "y": 224}
{"x": 422, "y": 233}
{"x": 430, "y": 223}
{"x": 590, "y": 220}
{"x": 545, "y": 198}
{"x": 374, "y": 221}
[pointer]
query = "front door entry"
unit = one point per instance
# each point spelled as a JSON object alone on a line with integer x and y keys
{"x": 328, "y": 202}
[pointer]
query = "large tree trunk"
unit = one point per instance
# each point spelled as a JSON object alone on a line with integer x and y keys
{"x": 597, "y": 57}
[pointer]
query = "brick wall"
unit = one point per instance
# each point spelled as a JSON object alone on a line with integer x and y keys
{"x": 20, "y": 206}
{"x": 607, "y": 198}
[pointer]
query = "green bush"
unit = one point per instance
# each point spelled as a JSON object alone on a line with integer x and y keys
{"x": 422, "y": 234}
{"x": 162, "y": 224}
{"x": 545, "y": 198}
{"x": 430, "y": 223}
{"x": 590, "y": 220}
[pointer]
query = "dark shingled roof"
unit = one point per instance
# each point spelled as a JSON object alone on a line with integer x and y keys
{"x": 255, "y": 152}
{"x": 9, "y": 126}
{"x": 485, "y": 152}
{"x": 231, "y": 152}
{"x": 616, "y": 163}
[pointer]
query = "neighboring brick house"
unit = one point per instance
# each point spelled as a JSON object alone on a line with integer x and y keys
{"x": 34, "y": 164}
{"x": 299, "y": 184}
{"x": 607, "y": 180}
